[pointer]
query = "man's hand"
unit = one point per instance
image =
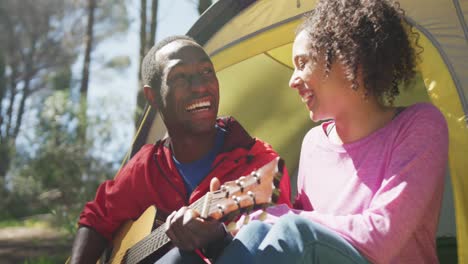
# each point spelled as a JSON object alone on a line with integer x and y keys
{"x": 189, "y": 232}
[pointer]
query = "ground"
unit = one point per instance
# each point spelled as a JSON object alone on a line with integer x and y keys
{"x": 44, "y": 245}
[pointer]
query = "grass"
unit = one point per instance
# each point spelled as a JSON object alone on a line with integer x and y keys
{"x": 24, "y": 223}
{"x": 45, "y": 260}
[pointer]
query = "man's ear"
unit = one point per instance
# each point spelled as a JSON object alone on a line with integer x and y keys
{"x": 150, "y": 95}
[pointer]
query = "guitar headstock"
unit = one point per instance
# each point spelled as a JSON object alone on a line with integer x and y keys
{"x": 258, "y": 189}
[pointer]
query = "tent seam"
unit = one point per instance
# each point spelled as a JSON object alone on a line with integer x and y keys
{"x": 447, "y": 62}
{"x": 278, "y": 61}
{"x": 461, "y": 18}
{"x": 232, "y": 43}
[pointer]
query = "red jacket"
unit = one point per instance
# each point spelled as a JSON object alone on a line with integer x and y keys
{"x": 152, "y": 178}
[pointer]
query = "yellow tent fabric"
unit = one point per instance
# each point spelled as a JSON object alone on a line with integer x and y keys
{"x": 251, "y": 50}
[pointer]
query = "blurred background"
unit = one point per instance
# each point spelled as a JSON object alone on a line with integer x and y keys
{"x": 69, "y": 102}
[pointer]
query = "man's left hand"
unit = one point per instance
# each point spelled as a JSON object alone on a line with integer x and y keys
{"x": 189, "y": 232}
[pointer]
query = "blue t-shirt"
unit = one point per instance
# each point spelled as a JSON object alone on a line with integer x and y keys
{"x": 194, "y": 172}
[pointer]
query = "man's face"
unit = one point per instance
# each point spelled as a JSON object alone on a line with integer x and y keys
{"x": 189, "y": 88}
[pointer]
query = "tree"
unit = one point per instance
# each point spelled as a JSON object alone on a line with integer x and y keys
{"x": 110, "y": 16}
{"x": 147, "y": 40}
{"x": 61, "y": 173}
{"x": 89, "y": 36}
{"x": 104, "y": 19}
{"x": 153, "y": 23}
{"x": 36, "y": 37}
{"x": 40, "y": 40}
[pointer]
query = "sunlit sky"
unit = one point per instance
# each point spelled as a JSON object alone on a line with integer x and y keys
{"x": 114, "y": 92}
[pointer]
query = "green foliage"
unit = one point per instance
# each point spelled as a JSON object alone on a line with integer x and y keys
{"x": 61, "y": 79}
{"x": 53, "y": 170}
{"x": 63, "y": 172}
{"x": 111, "y": 19}
{"x": 44, "y": 260}
{"x": 119, "y": 63}
{"x": 30, "y": 222}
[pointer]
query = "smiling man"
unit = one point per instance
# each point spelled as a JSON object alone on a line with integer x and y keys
{"x": 181, "y": 83}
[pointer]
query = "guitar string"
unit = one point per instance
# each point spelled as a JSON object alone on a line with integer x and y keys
{"x": 158, "y": 233}
{"x": 159, "y": 236}
{"x": 155, "y": 241}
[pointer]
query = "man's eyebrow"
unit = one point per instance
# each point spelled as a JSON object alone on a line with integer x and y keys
{"x": 179, "y": 63}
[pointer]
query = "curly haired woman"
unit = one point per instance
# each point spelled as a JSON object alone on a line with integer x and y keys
{"x": 371, "y": 176}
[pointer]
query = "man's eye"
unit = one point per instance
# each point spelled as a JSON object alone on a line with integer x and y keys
{"x": 179, "y": 76}
{"x": 179, "y": 80}
{"x": 207, "y": 71}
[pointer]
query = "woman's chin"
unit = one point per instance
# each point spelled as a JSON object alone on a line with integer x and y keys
{"x": 312, "y": 116}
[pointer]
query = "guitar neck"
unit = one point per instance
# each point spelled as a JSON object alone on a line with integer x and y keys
{"x": 157, "y": 238}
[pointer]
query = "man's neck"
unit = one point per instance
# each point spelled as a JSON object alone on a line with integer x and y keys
{"x": 190, "y": 147}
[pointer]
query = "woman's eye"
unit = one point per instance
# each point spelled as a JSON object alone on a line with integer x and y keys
{"x": 301, "y": 65}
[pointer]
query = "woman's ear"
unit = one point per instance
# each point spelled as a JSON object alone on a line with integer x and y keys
{"x": 150, "y": 95}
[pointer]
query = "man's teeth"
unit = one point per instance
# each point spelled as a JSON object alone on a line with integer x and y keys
{"x": 198, "y": 106}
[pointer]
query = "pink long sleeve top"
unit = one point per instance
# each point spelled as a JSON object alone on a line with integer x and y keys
{"x": 381, "y": 193}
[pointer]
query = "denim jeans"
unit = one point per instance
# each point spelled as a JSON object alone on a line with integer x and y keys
{"x": 177, "y": 256}
{"x": 293, "y": 239}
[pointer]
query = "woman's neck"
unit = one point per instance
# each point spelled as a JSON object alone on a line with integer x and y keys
{"x": 361, "y": 121}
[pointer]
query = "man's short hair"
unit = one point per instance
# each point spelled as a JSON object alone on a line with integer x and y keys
{"x": 151, "y": 69}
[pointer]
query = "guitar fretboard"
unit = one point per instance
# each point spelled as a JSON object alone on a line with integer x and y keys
{"x": 158, "y": 238}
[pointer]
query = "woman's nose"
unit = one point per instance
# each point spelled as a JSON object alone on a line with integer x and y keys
{"x": 295, "y": 81}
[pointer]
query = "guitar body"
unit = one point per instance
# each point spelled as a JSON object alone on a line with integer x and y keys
{"x": 130, "y": 233}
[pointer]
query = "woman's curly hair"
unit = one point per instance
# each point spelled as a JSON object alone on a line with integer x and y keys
{"x": 366, "y": 36}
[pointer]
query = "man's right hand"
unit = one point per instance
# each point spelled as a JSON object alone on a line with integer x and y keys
{"x": 88, "y": 246}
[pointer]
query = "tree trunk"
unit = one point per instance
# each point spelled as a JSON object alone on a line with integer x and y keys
{"x": 19, "y": 115}
{"x": 3, "y": 88}
{"x": 29, "y": 60}
{"x": 203, "y": 5}
{"x": 153, "y": 25}
{"x": 88, "y": 48}
{"x": 85, "y": 73}
{"x": 4, "y": 150}
{"x": 9, "y": 113}
{"x": 140, "y": 96}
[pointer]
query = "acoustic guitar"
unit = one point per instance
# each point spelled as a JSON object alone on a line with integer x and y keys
{"x": 144, "y": 240}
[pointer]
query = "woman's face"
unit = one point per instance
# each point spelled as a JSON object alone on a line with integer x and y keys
{"x": 326, "y": 97}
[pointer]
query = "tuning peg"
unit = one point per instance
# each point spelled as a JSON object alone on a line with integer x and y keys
{"x": 225, "y": 189}
{"x": 252, "y": 196}
{"x": 221, "y": 208}
{"x": 241, "y": 184}
{"x": 237, "y": 201}
{"x": 256, "y": 176}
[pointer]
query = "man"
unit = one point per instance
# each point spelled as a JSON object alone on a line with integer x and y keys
{"x": 181, "y": 83}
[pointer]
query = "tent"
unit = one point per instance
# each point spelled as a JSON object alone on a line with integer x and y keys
{"x": 250, "y": 44}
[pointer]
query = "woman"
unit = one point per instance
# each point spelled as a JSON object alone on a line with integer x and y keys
{"x": 370, "y": 178}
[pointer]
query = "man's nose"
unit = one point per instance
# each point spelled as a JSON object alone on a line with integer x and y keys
{"x": 198, "y": 82}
